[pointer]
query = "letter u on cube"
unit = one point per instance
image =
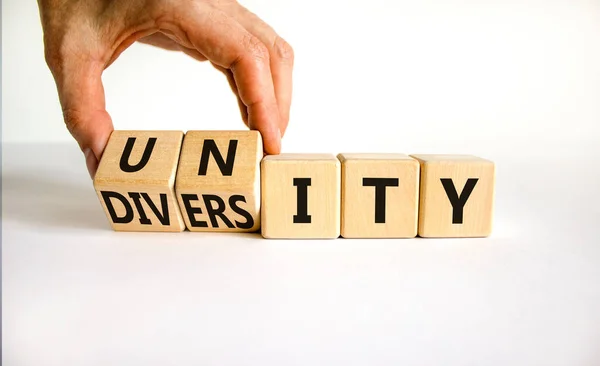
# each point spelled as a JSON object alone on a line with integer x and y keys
{"x": 219, "y": 181}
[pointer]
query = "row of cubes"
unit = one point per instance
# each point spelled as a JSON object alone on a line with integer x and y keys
{"x": 168, "y": 181}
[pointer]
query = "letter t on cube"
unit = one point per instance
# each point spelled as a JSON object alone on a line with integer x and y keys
{"x": 380, "y": 195}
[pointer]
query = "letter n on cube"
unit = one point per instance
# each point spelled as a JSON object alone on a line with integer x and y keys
{"x": 218, "y": 180}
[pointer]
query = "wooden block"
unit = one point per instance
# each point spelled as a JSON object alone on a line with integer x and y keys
{"x": 218, "y": 180}
{"x": 456, "y": 196}
{"x": 380, "y": 194}
{"x": 301, "y": 196}
{"x": 135, "y": 180}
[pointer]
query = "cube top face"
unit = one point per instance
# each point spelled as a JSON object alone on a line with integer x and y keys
{"x": 374, "y": 157}
{"x": 299, "y": 158}
{"x": 380, "y": 194}
{"x": 225, "y": 161}
{"x": 449, "y": 158}
{"x": 135, "y": 181}
{"x": 300, "y": 196}
{"x": 456, "y": 197}
{"x": 140, "y": 158}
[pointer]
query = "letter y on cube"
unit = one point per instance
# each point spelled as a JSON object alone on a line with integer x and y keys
{"x": 457, "y": 196}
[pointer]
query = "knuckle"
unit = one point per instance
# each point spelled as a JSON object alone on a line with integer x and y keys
{"x": 73, "y": 120}
{"x": 163, "y": 12}
{"x": 51, "y": 60}
{"x": 283, "y": 50}
{"x": 255, "y": 48}
{"x": 52, "y": 57}
{"x": 60, "y": 54}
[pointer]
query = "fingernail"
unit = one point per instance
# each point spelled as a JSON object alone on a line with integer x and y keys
{"x": 91, "y": 162}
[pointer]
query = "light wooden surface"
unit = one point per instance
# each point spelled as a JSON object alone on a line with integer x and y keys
{"x": 226, "y": 195}
{"x": 387, "y": 211}
{"x": 136, "y": 185}
{"x": 437, "y": 217}
{"x": 281, "y": 205}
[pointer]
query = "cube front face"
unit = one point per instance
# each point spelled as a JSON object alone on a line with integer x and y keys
{"x": 135, "y": 181}
{"x": 379, "y": 196}
{"x": 218, "y": 180}
{"x": 301, "y": 196}
{"x": 456, "y": 197}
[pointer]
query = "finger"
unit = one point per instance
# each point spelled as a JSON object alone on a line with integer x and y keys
{"x": 231, "y": 80}
{"x": 228, "y": 44}
{"x": 241, "y": 105}
{"x": 82, "y": 99}
{"x": 281, "y": 57}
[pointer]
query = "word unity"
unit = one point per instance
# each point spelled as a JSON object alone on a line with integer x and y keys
{"x": 220, "y": 181}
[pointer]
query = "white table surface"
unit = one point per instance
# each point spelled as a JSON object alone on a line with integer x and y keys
{"x": 77, "y": 293}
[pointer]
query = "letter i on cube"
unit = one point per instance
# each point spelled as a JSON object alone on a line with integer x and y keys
{"x": 135, "y": 181}
{"x": 300, "y": 196}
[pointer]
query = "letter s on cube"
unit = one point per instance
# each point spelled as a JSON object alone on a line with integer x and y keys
{"x": 135, "y": 181}
{"x": 218, "y": 180}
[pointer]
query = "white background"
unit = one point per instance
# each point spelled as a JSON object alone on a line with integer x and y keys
{"x": 409, "y": 76}
{"x": 514, "y": 81}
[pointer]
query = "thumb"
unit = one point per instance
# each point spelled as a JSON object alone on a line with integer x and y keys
{"x": 81, "y": 95}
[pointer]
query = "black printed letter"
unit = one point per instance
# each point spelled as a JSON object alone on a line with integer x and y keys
{"x": 214, "y": 212}
{"x": 209, "y": 147}
{"x": 163, "y": 216}
{"x": 111, "y": 209}
{"x": 192, "y": 211}
{"x": 138, "y": 205}
{"x": 458, "y": 203}
{"x": 124, "y": 164}
{"x": 233, "y": 200}
{"x": 302, "y": 216}
{"x": 380, "y": 185}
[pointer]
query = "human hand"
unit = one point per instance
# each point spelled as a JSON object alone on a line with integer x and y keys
{"x": 84, "y": 37}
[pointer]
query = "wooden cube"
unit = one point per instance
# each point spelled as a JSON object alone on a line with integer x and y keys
{"x": 300, "y": 196}
{"x": 380, "y": 195}
{"x": 456, "y": 196}
{"x": 218, "y": 180}
{"x": 135, "y": 180}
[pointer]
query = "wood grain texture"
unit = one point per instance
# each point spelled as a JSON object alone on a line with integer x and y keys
{"x": 379, "y": 195}
{"x": 218, "y": 180}
{"x": 287, "y": 177}
{"x": 447, "y": 178}
{"x": 135, "y": 181}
